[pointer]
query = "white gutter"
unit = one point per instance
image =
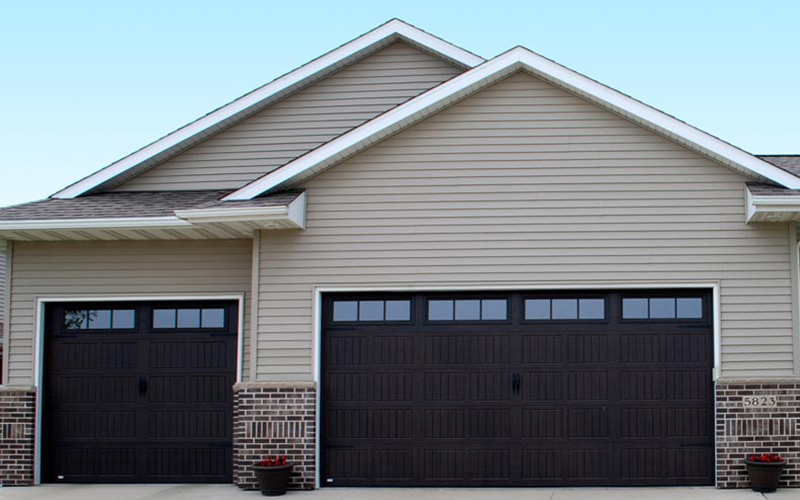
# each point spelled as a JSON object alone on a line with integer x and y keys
{"x": 110, "y": 223}
{"x": 774, "y": 207}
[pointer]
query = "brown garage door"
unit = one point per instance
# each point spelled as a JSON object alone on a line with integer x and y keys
{"x": 518, "y": 389}
{"x": 139, "y": 392}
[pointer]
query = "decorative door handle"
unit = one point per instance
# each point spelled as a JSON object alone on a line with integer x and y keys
{"x": 142, "y": 386}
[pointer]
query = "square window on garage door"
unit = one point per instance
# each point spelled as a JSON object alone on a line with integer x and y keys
{"x": 565, "y": 309}
{"x": 189, "y": 318}
{"x": 99, "y": 319}
{"x": 663, "y": 308}
{"x": 468, "y": 310}
{"x": 371, "y": 310}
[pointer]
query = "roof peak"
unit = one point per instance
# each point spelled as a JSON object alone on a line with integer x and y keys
{"x": 192, "y": 133}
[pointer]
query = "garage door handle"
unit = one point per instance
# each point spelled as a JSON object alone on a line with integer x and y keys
{"x": 515, "y": 382}
{"x": 142, "y": 386}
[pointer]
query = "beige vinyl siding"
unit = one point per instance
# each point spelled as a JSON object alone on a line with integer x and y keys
{"x": 524, "y": 184}
{"x": 300, "y": 122}
{"x": 130, "y": 268}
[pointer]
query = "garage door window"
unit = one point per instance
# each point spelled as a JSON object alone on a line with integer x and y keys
{"x": 565, "y": 309}
{"x": 189, "y": 318}
{"x": 371, "y": 310}
{"x": 99, "y": 319}
{"x": 662, "y": 308}
{"x": 468, "y": 310}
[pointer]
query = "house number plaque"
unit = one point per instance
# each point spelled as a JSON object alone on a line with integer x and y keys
{"x": 760, "y": 401}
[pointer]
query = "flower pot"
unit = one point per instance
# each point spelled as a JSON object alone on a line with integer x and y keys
{"x": 273, "y": 481}
{"x": 764, "y": 476}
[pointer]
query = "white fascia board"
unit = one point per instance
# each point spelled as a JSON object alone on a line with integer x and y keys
{"x": 519, "y": 58}
{"x": 393, "y": 29}
{"x": 111, "y": 223}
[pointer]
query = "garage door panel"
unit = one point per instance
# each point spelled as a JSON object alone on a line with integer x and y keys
{"x": 542, "y": 349}
{"x": 445, "y": 424}
{"x": 489, "y": 465}
{"x": 520, "y": 401}
{"x": 445, "y": 464}
{"x": 588, "y": 348}
{"x": 119, "y": 356}
{"x": 641, "y": 422}
{"x": 587, "y": 385}
{"x": 392, "y": 424}
{"x": 543, "y": 386}
{"x": 542, "y": 423}
{"x": 445, "y": 350}
{"x": 640, "y": 385}
{"x": 587, "y": 423}
{"x": 489, "y": 386}
{"x": 393, "y": 350}
{"x": 445, "y": 386}
{"x": 542, "y": 465}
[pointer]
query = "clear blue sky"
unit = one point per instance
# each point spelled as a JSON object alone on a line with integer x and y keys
{"x": 84, "y": 83}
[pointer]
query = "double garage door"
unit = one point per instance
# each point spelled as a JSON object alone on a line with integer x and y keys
{"x": 517, "y": 389}
{"x": 139, "y": 392}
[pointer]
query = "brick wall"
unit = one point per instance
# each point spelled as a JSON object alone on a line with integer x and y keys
{"x": 274, "y": 419}
{"x": 748, "y": 423}
{"x": 17, "y": 420}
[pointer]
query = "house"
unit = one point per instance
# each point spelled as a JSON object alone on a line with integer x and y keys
{"x": 405, "y": 265}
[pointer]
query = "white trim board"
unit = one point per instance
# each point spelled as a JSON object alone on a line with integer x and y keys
{"x": 318, "y": 290}
{"x": 482, "y": 76}
{"x": 38, "y": 344}
{"x": 211, "y": 123}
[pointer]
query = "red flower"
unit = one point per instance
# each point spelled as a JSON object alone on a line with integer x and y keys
{"x": 766, "y": 457}
{"x": 273, "y": 461}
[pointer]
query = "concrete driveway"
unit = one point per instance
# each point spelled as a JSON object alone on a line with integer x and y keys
{"x": 230, "y": 492}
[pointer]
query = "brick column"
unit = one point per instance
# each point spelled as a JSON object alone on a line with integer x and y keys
{"x": 274, "y": 419}
{"x": 17, "y": 421}
{"x": 754, "y": 417}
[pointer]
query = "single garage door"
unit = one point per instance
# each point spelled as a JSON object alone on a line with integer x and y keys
{"x": 137, "y": 392}
{"x": 518, "y": 389}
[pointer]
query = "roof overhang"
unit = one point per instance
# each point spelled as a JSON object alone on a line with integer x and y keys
{"x": 480, "y": 77}
{"x": 772, "y": 208}
{"x": 257, "y": 100}
{"x": 208, "y": 223}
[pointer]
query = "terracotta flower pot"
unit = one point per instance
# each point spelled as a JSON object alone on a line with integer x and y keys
{"x": 764, "y": 476}
{"x": 273, "y": 480}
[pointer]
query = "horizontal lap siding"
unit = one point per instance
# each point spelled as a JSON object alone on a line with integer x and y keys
{"x": 300, "y": 122}
{"x": 120, "y": 268}
{"x": 526, "y": 184}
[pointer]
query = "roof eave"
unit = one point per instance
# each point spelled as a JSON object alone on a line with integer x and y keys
{"x": 771, "y": 208}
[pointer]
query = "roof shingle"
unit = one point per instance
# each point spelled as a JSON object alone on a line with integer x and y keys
{"x": 114, "y": 205}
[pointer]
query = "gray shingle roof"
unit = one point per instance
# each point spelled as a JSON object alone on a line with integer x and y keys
{"x": 761, "y": 189}
{"x": 134, "y": 204}
{"x": 790, "y": 163}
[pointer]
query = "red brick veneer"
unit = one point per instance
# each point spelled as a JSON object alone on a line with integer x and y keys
{"x": 745, "y": 430}
{"x": 17, "y": 421}
{"x": 274, "y": 419}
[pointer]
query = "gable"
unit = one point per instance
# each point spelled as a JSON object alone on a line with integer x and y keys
{"x": 300, "y": 122}
{"x": 524, "y": 135}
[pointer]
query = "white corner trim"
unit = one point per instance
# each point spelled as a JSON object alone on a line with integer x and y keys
{"x": 392, "y": 29}
{"x": 110, "y": 223}
{"x": 408, "y": 113}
